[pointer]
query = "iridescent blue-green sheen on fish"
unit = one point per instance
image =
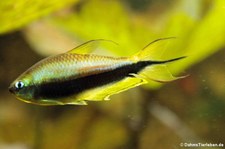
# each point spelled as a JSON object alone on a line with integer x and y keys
{"x": 75, "y": 77}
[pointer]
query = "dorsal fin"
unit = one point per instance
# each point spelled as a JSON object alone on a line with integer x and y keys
{"x": 89, "y": 46}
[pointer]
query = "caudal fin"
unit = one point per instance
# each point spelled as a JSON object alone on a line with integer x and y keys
{"x": 167, "y": 61}
{"x": 157, "y": 70}
{"x": 153, "y": 51}
{"x": 158, "y": 73}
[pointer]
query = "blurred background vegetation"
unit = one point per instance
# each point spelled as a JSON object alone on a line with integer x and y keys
{"x": 187, "y": 110}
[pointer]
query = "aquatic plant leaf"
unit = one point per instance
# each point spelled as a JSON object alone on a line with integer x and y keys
{"x": 90, "y": 23}
{"x": 16, "y": 14}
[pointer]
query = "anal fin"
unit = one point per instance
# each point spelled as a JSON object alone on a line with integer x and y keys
{"x": 76, "y": 103}
{"x": 104, "y": 92}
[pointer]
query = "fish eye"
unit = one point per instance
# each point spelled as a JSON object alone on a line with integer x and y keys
{"x": 19, "y": 85}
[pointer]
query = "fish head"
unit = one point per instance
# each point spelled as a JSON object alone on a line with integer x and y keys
{"x": 22, "y": 88}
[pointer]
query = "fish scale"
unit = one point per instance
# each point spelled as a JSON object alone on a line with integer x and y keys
{"x": 74, "y": 66}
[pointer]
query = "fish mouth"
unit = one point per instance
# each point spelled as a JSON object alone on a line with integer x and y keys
{"x": 11, "y": 90}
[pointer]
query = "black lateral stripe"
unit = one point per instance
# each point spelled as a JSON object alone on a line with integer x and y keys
{"x": 66, "y": 88}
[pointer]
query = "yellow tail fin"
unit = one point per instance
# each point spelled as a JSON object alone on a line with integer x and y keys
{"x": 158, "y": 70}
{"x": 158, "y": 73}
{"x": 151, "y": 51}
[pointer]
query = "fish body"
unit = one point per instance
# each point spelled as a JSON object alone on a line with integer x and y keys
{"x": 75, "y": 77}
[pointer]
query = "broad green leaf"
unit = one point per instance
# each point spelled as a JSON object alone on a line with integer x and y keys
{"x": 204, "y": 38}
{"x": 17, "y": 13}
{"x": 116, "y": 25}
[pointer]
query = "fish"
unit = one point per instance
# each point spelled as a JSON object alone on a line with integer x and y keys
{"x": 78, "y": 76}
